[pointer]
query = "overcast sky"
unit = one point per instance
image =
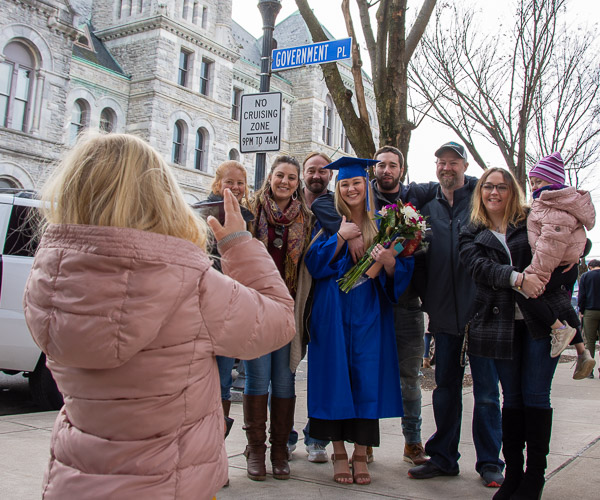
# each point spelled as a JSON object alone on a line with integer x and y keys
{"x": 428, "y": 136}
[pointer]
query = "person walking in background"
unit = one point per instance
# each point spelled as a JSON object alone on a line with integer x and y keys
{"x": 353, "y": 376}
{"x": 228, "y": 175}
{"x": 282, "y": 224}
{"x": 588, "y": 302}
{"x": 124, "y": 302}
{"x": 494, "y": 248}
{"x": 447, "y": 298}
{"x": 557, "y": 238}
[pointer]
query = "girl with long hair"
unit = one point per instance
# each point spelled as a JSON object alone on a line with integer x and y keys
{"x": 282, "y": 223}
{"x": 353, "y": 379}
{"x": 494, "y": 248}
{"x": 124, "y": 302}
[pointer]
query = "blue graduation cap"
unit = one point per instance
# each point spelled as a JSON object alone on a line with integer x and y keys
{"x": 349, "y": 167}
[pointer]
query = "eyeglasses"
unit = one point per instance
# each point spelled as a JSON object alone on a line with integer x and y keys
{"x": 489, "y": 187}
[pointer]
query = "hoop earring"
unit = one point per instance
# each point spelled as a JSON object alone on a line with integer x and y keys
{"x": 295, "y": 196}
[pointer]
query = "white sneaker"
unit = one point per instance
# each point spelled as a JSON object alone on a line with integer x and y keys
{"x": 560, "y": 339}
{"x": 290, "y": 450}
{"x": 316, "y": 453}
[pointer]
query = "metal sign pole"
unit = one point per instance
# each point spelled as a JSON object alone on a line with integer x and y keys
{"x": 268, "y": 10}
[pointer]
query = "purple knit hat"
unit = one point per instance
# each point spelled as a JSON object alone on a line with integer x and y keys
{"x": 550, "y": 168}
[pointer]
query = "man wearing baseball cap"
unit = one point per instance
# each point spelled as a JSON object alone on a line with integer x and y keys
{"x": 447, "y": 298}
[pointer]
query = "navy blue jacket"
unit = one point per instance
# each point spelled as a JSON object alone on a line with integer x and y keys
{"x": 589, "y": 291}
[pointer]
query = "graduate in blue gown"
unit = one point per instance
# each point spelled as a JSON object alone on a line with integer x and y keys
{"x": 353, "y": 376}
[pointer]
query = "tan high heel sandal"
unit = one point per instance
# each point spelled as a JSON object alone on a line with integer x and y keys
{"x": 342, "y": 457}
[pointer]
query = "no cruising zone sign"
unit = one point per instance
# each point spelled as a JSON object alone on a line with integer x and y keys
{"x": 316, "y": 53}
{"x": 260, "y": 123}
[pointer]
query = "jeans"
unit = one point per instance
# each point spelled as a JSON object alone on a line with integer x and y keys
{"x": 442, "y": 447}
{"x": 273, "y": 369}
{"x": 526, "y": 379}
{"x": 409, "y": 325}
{"x": 309, "y": 440}
{"x": 225, "y": 366}
{"x": 427, "y": 351}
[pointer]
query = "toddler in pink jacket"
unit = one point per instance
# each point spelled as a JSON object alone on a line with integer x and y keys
{"x": 557, "y": 238}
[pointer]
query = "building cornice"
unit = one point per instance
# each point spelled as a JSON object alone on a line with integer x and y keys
{"x": 160, "y": 22}
{"x": 52, "y": 14}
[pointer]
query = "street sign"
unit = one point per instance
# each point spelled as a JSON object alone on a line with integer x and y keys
{"x": 260, "y": 123}
{"x": 316, "y": 53}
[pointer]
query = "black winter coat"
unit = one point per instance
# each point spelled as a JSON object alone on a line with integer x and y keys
{"x": 445, "y": 287}
{"x": 492, "y": 324}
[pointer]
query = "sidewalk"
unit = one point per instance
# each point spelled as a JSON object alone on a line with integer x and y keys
{"x": 573, "y": 464}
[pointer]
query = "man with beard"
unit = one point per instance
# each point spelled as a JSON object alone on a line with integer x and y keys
{"x": 408, "y": 316}
{"x": 316, "y": 176}
{"x": 447, "y": 297}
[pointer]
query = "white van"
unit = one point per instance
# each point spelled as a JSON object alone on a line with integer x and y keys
{"x": 18, "y": 351}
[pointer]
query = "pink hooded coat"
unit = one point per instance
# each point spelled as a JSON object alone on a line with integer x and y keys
{"x": 130, "y": 322}
{"x": 555, "y": 228}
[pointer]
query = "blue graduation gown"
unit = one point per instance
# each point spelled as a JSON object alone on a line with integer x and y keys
{"x": 352, "y": 359}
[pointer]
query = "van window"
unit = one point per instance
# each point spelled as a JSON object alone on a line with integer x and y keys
{"x": 20, "y": 235}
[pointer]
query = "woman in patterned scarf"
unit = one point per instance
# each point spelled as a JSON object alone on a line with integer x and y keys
{"x": 282, "y": 223}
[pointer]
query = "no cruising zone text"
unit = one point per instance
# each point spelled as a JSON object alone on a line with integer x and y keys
{"x": 316, "y": 53}
{"x": 260, "y": 122}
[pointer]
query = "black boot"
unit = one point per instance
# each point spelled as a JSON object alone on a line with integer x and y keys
{"x": 282, "y": 421}
{"x": 538, "y": 427}
{"x": 226, "y": 403}
{"x": 513, "y": 442}
{"x": 255, "y": 425}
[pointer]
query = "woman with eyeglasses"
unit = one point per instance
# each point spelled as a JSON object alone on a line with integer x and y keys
{"x": 494, "y": 248}
{"x": 282, "y": 221}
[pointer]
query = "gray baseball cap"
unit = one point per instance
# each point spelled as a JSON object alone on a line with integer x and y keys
{"x": 454, "y": 146}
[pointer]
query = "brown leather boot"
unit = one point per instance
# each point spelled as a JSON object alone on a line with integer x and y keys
{"x": 255, "y": 425}
{"x": 282, "y": 421}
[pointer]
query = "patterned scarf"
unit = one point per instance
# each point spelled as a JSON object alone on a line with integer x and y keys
{"x": 298, "y": 226}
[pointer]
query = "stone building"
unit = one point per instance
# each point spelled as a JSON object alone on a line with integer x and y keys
{"x": 172, "y": 72}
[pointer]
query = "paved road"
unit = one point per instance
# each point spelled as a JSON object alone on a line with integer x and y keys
{"x": 15, "y": 397}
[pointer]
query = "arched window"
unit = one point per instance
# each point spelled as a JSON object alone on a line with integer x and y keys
{"x": 16, "y": 76}
{"x": 79, "y": 119}
{"x": 234, "y": 155}
{"x": 178, "y": 145}
{"x": 108, "y": 120}
{"x": 327, "y": 120}
{"x": 200, "y": 156}
{"x": 8, "y": 182}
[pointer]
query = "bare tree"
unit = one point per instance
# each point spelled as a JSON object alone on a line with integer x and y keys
{"x": 529, "y": 91}
{"x": 390, "y": 52}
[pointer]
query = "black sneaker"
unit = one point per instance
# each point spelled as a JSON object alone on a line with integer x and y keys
{"x": 429, "y": 470}
{"x": 492, "y": 478}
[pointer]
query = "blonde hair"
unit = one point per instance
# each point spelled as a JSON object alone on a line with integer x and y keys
{"x": 216, "y": 186}
{"x": 368, "y": 227}
{"x": 121, "y": 181}
{"x": 516, "y": 210}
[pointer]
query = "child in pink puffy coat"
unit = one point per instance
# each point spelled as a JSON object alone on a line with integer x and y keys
{"x": 557, "y": 238}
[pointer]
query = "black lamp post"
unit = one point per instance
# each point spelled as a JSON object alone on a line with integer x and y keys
{"x": 268, "y": 10}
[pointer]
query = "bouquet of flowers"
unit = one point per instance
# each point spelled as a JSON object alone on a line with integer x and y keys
{"x": 402, "y": 227}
